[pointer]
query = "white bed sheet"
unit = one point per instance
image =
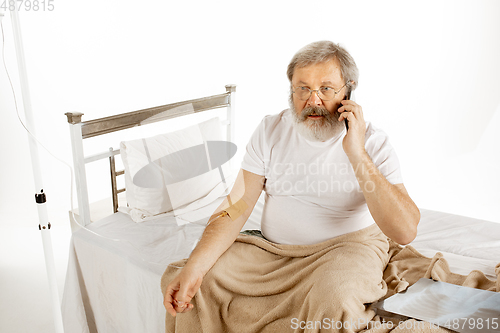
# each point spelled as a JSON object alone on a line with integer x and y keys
{"x": 113, "y": 280}
{"x": 466, "y": 243}
{"x": 114, "y": 285}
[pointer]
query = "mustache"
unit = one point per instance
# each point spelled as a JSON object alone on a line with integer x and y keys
{"x": 319, "y": 111}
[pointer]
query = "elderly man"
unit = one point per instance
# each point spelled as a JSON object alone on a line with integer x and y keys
{"x": 332, "y": 184}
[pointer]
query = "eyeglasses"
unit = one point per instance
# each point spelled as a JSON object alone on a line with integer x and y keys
{"x": 325, "y": 93}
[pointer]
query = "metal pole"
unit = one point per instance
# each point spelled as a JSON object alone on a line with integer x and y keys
{"x": 231, "y": 89}
{"x": 40, "y": 199}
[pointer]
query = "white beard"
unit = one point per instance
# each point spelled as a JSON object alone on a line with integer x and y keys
{"x": 319, "y": 129}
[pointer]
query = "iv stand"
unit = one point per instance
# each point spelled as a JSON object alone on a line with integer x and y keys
{"x": 40, "y": 199}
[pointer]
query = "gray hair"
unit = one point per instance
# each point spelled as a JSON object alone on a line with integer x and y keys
{"x": 323, "y": 51}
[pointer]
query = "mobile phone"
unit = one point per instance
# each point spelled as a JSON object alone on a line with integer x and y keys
{"x": 347, "y": 96}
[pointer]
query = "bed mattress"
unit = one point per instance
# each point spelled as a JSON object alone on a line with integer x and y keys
{"x": 114, "y": 270}
{"x": 466, "y": 243}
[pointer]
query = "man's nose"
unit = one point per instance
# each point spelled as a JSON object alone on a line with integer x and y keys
{"x": 314, "y": 99}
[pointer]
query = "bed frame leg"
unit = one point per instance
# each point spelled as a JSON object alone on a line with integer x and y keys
{"x": 75, "y": 129}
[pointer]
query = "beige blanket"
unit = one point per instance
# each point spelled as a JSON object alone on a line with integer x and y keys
{"x": 406, "y": 267}
{"x": 259, "y": 286}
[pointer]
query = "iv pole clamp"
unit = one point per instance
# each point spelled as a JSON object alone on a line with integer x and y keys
{"x": 40, "y": 198}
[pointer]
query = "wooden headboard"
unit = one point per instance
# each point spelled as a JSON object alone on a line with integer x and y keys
{"x": 80, "y": 130}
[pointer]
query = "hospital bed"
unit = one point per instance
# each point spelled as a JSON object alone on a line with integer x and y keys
{"x": 120, "y": 247}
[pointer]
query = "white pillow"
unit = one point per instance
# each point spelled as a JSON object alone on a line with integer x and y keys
{"x": 169, "y": 171}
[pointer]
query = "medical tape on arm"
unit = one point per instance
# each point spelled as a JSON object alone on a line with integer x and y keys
{"x": 234, "y": 211}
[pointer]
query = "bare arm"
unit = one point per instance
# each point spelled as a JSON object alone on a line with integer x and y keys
{"x": 216, "y": 239}
{"x": 390, "y": 205}
{"x": 222, "y": 232}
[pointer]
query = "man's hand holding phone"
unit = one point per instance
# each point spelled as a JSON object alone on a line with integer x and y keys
{"x": 354, "y": 141}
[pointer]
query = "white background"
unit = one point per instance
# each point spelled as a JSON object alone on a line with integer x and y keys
{"x": 430, "y": 77}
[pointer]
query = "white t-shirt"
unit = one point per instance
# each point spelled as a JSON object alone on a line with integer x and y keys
{"x": 312, "y": 193}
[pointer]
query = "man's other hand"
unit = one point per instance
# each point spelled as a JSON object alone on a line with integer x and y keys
{"x": 181, "y": 290}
